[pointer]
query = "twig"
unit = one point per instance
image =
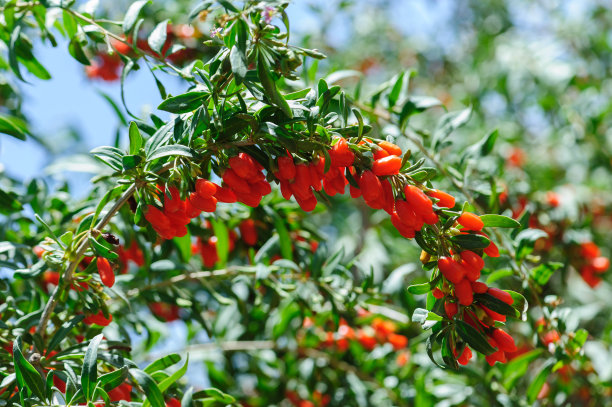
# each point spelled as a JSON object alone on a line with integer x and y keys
{"x": 67, "y": 276}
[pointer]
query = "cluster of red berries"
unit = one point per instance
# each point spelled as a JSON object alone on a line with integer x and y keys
{"x": 318, "y": 399}
{"x": 133, "y": 253}
{"x": 479, "y": 317}
{"x": 594, "y": 264}
{"x": 98, "y": 319}
{"x": 177, "y": 213}
{"x": 245, "y": 180}
{"x": 379, "y": 331}
{"x": 301, "y": 180}
{"x": 107, "y": 66}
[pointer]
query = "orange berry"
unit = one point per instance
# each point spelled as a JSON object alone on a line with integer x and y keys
{"x": 470, "y": 221}
{"x": 390, "y": 148}
{"x": 444, "y": 200}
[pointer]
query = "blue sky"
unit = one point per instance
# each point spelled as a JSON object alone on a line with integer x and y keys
{"x": 70, "y": 100}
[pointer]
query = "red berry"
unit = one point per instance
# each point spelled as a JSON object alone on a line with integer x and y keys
{"x": 505, "y": 341}
{"x": 401, "y": 227}
{"x": 370, "y": 186}
{"x": 451, "y": 270}
{"x": 479, "y": 288}
{"x": 437, "y": 293}
{"x": 243, "y": 165}
{"x": 420, "y": 203}
{"x": 235, "y": 182}
{"x": 450, "y": 308}
{"x": 205, "y": 188}
{"x": 105, "y": 271}
{"x": 286, "y": 168}
{"x": 387, "y": 166}
{"x": 470, "y": 221}
{"x": 463, "y": 291}
{"x": 390, "y": 148}
{"x": 248, "y": 232}
{"x": 444, "y": 200}
{"x": 501, "y": 295}
{"x": 226, "y": 195}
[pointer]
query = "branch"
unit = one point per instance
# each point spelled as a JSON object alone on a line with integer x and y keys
{"x": 67, "y": 276}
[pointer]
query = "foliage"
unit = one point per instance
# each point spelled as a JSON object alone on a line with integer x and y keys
{"x": 230, "y": 219}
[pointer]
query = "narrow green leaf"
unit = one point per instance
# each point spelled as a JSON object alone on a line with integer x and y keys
{"x": 76, "y": 50}
{"x": 396, "y": 90}
{"x": 536, "y": 385}
{"x": 238, "y": 62}
{"x": 61, "y": 333}
{"x": 184, "y": 103}
{"x": 27, "y": 376}
{"x": 89, "y": 373}
{"x": 222, "y": 235}
{"x": 162, "y": 363}
{"x": 109, "y": 381}
{"x": 499, "y": 221}
{"x": 471, "y": 241}
{"x": 170, "y": 380}
{"x": 132, "y": 15}
{"x": 473, "y": 338}
{"x": 157, "y": 38}
{"x": 13, "y": 127}
{"x": 270, "y": 90}
{"x": 543, "y": 272}
{"x": 173, "y": 150}
{"x": 152, "y": 391}
{"x": 102, "y": 250}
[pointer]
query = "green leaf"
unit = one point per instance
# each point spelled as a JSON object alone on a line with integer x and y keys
{"x": 184, "y": 103}
{"x": 497, "y": 305}
{"x": 163, "y": 362}
{"x": 219, "y": 396}
{"x": 48, "y": 229}
{"x": 13, "y": 63}
{"x": 536, "y": 385}
{"x": 238, "y": 62}
{"x": 173, "y": 150}
{"x": 471, "y": 241}
{"x": 170, "y": 380}
{"x": 449, "y": 123}
{"x": 131, "y": 161}
{"x": 222, "y": 235}
{"x": 518, "y": 367}
{"x": 520, "y": 304}
{"x": 152, "y": 391}
{"x": 269, "y": 87}
{"x": 526, "y": 240}
{"x": 286, "y": 244}
{"x": 113, "y": 379}
{"x": 70, "y": 24}
{"x": 473, "y": 338}
{"x": 61, "y": 333}
{"x": 485, "y": 145}
{"x": 102, "y": 250}
{"x": 420, "y": 288}
{"x": 76, "y": 50}
{"x": 184, "y": 246}
{"x": 132, "y": 15}
{"x": 9, "y": 202}
{"x": 157, "y": 38}
{"x": 499, "y": 221}
{"x": 396, "y": 90}
{"x": 27, "y": 376}
{"x": 542, "y": 273}
{"x": 13, "y": 126}
{"x": 89, "y": 373}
